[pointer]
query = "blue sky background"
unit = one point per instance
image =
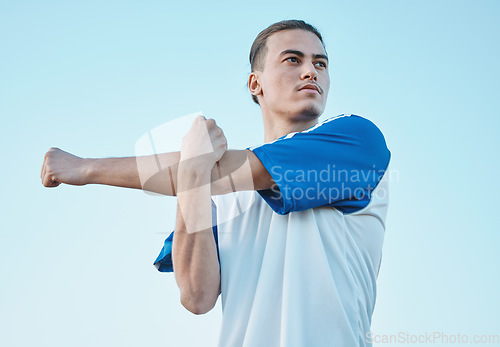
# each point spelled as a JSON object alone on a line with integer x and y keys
{"x": 92, "y": 77}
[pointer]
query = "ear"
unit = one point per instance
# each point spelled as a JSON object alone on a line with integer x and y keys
{"x": 254, "y": 84}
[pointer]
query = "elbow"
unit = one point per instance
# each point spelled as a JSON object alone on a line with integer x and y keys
{"x": 199, "y": 310}
{"x": 198, "y": 304}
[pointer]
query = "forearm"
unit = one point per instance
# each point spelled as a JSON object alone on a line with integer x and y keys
{"x": 155, "y": 173}
{"x": 194, "y": 252}
{"x": 158, "y": 173}
{"x": 119, "y": 172}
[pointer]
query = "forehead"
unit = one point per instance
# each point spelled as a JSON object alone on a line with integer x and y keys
{"x": 295, "y": 39}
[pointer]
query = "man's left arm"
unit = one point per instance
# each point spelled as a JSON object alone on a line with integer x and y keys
{"x": 155, "y": 173}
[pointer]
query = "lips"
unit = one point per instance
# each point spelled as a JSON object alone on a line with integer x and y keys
{"x": 311, "y": 88}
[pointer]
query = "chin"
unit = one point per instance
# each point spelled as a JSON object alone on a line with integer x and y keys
{"x": 312, "y": 110}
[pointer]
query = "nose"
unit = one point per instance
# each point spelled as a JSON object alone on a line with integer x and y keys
{"x": 309, "y": 72}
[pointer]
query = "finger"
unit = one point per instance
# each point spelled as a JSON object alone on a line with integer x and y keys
{"x": 196, "y": 122}
{"x": 46, "y": 162}
{"x": 50, "y": 182}
{"x": 44, "y": 168}
{"x": 211, "y": 124}
{"x": 46, "y": 181}
{"x": 43, "y": 165}
{"x": 46, "y": 172}
{"x": 223, "y": 144}
{"x": 220, "y": 146}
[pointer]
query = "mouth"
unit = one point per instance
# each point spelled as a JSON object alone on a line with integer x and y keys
{"x": 311, "y": 88}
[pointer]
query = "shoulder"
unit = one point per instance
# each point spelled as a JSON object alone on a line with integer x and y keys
{"x": 345, "y": 129}
{"x": 347, "y": 123}
{"x": 355, "y": 135}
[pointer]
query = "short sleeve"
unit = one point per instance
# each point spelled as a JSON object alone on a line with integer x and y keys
{"x": 163, "y": 262}
{"x": 337, "y": 162}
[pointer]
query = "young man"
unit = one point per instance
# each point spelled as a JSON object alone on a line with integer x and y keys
{"x": 297, "y": 242}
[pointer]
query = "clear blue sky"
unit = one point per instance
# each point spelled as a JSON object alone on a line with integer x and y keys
{"x": 91, "y": 77}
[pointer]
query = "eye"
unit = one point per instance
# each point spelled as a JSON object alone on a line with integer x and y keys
{"x": 292, "y": 59}
{"x": 321, "y": 64}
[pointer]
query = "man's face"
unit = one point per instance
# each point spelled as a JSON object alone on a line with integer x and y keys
{"x": 295, "y": 79}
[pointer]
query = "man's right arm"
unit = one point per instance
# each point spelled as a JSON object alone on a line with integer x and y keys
{"x": 194, "y": 251}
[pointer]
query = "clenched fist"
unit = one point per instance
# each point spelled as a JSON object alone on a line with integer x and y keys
{"x": 62, "y": 167}
{"x": 204, "y": 144}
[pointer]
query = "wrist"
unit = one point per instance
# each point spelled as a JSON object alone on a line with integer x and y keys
{"x": 191, "y": 175}
{"x": 192, "y": 171}
{"x": 195, "y": 166}
{"x": 90, "y": 171}
{"x": 199, "y": 162}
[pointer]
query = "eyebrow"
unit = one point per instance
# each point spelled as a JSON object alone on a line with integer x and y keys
{"x": 300, "y": 54}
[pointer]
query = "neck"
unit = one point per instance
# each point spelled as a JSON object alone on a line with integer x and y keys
{"x": 278, "y": 125}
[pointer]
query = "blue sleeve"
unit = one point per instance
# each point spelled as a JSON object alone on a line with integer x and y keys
{"x": 337, "y": 162}
{"x": 163, "y": 262}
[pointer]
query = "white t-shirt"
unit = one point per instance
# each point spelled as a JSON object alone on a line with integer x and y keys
{"x": 299, "y": 262}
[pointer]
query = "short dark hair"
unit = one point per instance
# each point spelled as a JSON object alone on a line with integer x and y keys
{"x": 259, "y": 49}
